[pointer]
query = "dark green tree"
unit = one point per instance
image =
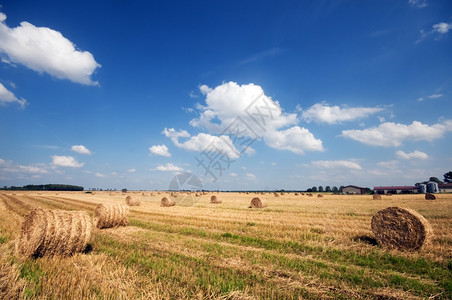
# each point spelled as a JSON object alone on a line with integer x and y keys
{"x": 434, "y": 179}
{"x": 320, "y": 188}
{"x": 335, "y": 189}
{"x": 314, "y": 189}
{"x": 448, "y": 177}
{"x": 327, "y": 189}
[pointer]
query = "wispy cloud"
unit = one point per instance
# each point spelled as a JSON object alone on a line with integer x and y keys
{"x": 260, "y": 56}
{"x": 438, "y": 31}
{"x": 413, "y": 155}
{"x": 7, "y": 96}
{"x": 323, "y": 113}
{"x": 418, "y": 3}
{"x": 169, "y": 167}
{"x": 336, "y": 164}
{"x": 391, "y": 134}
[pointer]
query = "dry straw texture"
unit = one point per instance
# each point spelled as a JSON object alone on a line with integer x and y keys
{"x": 111, "y": 215}
{"x": 401, "y": 228}
{"x": 214, "y": 199}
{"x": 376, "y": 197}
{"x": 132, "y": 201}
{"x": 53, "y": 232}
{"x": 167, "y": 202}
{"x": 258, "y": 203}
{"x": 429, "y": 196}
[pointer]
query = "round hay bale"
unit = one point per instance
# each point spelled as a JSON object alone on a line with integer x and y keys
{"x": 276, "y": 195}
{"x": 214, "y": 200}
{"x": 132, "y": 201}
{"x": 319, "y": 195}
{"x": 401, "y": 228}
{"x": 429, "y": 196}
{"x": 167, "y": 202}
{"x": 47, "y": 232}
{"x": 258, "y": 203}
{"x": 376, "y": 196}
{"x": 111, "y": 215}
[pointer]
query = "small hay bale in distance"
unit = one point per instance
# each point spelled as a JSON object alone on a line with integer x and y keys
{"x": 401, "y": 228}
{"x": 48, "y": 232}
{"x": 429, "y": 196}
{"x": 276, "y": 195}
{"x": 319, "y": 195}
{"x": 167, "y": 202}
{"x": 132, "y": 201}
{"x": 258, "y": 203}
{"x": 111, "y": 215}
{"x": 214, "y": 199}
{"x": 376, "y": 196}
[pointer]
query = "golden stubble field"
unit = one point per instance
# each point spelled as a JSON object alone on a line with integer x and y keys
{"x": 298, "y": 247}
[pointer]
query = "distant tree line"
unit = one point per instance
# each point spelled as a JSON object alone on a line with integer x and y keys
{"x": 327, "y": 189}
{"x": 45, "y": 187}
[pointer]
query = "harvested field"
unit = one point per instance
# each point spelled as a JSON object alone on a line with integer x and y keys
{"x": 296, "y": 247}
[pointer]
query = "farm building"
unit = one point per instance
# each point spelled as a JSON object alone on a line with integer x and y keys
{"x": 445, "y": 188}
{"x": 353, "y": 189}
{"x": 396, "y": 189}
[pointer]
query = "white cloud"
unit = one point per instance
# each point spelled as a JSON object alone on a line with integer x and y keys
{"x": 336, "y": 164}
{"x": 100, "y": 175}
{"x": 245, "y": 111}
{"x": 11, "y": 167}
{"x": 160, "y": 150}
{"x": 46, "y": 50}
{"x": 233, "y": 174}
{"x": 413, "y": 155}
{"x": 174, "y": 135}
{"x": 391, "y": 164}
{"x": 439, "y": 30}
{"x": 81, "y": 149}
{"x": 442, "y": 27}
{"x": 7, "y": 96}
{"x": 295, "y": 139}
{"x": 66, "y": 161}
{"x": 203, "y": 142}
{"x": 169, "y": 167}
{"x": 228, "y": 101}
{"x": 133, "y": 170}
{"x": 394, "y": 134}
{"x": 418, "y": 3}
{"x": 435, "y": 96}
{"x": 323, "y": 113}
{"x": 250, "y": 176}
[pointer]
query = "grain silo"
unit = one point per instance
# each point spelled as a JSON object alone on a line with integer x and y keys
{"x": 422, "y": 188}
{"x": 432, "y": 187}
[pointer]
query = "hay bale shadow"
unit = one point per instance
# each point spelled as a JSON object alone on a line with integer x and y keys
{"x": 88, "y": 249}
{"x": 366, "y": 239}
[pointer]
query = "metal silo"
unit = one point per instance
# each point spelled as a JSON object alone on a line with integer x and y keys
{"x": 432, "y": 187}
{"x": 422, "y": 188}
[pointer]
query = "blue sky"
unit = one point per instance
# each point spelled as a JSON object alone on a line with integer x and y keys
{"x": 243, "y": 94}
